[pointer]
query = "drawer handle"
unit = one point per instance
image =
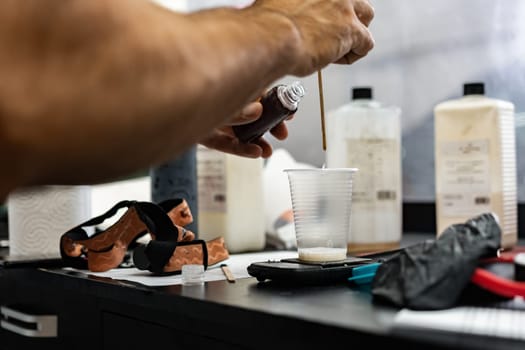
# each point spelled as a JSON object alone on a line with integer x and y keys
{"x": 34, "y": 326}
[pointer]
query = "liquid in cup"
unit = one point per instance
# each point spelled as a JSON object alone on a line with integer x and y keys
{"x": 321, "y": 203}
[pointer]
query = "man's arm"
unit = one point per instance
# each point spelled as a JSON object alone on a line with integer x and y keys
{"x": 91, "y": 90}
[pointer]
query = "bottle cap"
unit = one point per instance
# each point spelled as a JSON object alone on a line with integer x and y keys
{"x": 362, "y": 93}
{"x": 290, "y": 95}
{"x": 192, "y": 274}
{"x": 476, "y": 88}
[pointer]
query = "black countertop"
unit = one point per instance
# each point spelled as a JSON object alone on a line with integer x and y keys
{"x": 262, "y": 313}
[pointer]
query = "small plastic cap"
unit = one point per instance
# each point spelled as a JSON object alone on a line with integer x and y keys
{"x": 296, "y": 90}
{"x": 362, "y": 93}
{"x": 192, "y": 274}
{"x": 477, "y": 88}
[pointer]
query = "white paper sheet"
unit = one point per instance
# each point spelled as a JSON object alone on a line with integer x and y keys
{"x": 504, "y": 323}
{"x": 238, "y": 264}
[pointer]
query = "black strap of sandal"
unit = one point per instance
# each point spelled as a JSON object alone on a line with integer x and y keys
{"x": 157, "y": 221}
{"x": 78, "y": 232}
{"x": 156, "y": 254}
{"x": 169, "y": 204}
{"x": 153, "y": 215}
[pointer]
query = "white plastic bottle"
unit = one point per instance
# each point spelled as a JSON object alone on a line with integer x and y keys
{"x": 231, "y": 201}
{"x": 365, "y": 134}
{"x": 475, "y": 161}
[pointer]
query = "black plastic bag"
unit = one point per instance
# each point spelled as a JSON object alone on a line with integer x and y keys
{"x": 432, "y": 275}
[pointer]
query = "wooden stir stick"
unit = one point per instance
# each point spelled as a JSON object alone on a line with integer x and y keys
{"x": 321, "y": 104}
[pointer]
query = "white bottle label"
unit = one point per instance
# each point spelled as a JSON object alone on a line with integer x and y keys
{"x": 377, "y": 180}
{"x": 464, "y": 178}
{"x": 211, "y": 169}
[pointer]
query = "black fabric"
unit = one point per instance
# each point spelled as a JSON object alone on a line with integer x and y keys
{"x": 432, "y": 275}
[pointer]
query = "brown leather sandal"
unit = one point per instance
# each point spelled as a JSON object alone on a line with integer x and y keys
{"x": 167, "y": 258}
{"x": 180, "y": 214}
{"x": 106, "y": 249}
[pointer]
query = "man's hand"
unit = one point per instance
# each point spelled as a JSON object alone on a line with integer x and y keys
{"x": 223, "y": 139}
{"x": 328, "y": 31}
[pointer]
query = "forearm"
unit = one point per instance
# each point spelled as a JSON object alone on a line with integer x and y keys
{"x": 108, "y": 84}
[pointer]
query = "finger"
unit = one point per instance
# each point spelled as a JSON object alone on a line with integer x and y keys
{"x": 349, "y": 58}
{"x": 265, "y": 147}
{"x": 230, "y": 144}
{"x": 280, "y": 131}
{"x": 364, "y": 11}
{"x": 249, "y": 113}
{"x": 363, "y": 42}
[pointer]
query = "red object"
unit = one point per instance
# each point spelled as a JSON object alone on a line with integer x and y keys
{"x": 497, "y": 284}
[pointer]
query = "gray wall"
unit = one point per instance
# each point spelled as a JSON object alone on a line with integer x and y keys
{"x": 425, "y": 51}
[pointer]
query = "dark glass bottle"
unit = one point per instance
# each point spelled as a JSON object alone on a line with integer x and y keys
{"x": 178, "y": 179}
{"x": 278, "y": 103}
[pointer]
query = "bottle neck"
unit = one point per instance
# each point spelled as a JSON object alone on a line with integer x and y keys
{"x": 472, "y": 96}
{"x": 365, "y": 102}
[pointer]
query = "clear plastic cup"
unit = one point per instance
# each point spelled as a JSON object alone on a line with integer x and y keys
{"x": 321, "y": 203}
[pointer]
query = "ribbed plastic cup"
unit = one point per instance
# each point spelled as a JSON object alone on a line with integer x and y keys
{"x": 321, "y": 204}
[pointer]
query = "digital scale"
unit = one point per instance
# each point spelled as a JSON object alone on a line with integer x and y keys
{"x": 356, "y": 269}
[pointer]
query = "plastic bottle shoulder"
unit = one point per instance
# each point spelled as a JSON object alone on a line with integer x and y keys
{"x": 364, "y": 103}
{"x": 474, "y": 102}
{"x": 368, "y": 107}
